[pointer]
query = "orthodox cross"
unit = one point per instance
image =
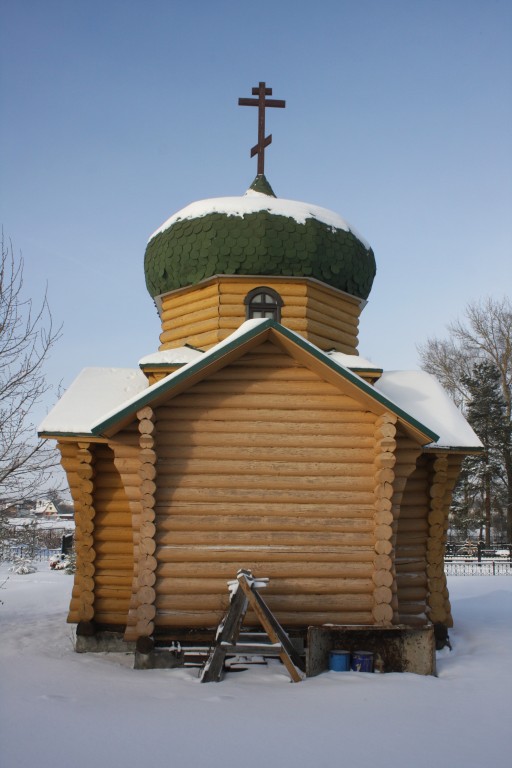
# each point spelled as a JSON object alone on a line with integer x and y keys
{"x": 261, "y": 102}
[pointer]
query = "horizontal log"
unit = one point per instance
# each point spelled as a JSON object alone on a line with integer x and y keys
{"x": 298, "y": 481}
{"x": 412, "y": 525}
{"x": 256, "y": 508}
{"x": 112, "y": 593}
{"x": 327, "y": 330}
{"x": 113, "y": 519}
{"x": 113, "y": 562}
{"x": 407, "y": 552}
{"x": 335, "y": 457}
{"x": 176, "y": 334}
{"x": 330, "y": 298}
{"x": 105, "y": 495}
{"x": 413, "y": 512}
{"x": 205, "y": 619}
{"x": 172, "y": 472}
{"x": 241, "y": 415}
{"x": 111, "y": 605}
{"x": 185, "y": 296}
{"x": 192, "y": 315}
{"x": 260, "y": 432}
{"x": 250, "y": 389}
{"x": 240, "y": 375}
{"x": 277, "y": 586}
{"x": 264, "y": 495}
{"x": 281, "y": 402}
{"x": 329, "y": 343}
{"x": 113, "y": 547}
{"x": 407, "y": 594}
{"x": 282, "y": 570}
{"x": 334, "y": 318}
{"x": 230, "y": 523}
{"x": 276, "y": 603}
{"x": 120, "y": 579}
{"x": 412, "y": 621}
{"x": 173, "y": 310}
{"x": 199, "y": 340}
{"x": 274, "y": 553}
{"x": 242, "y": 287}
{"x": 410, "y": 567}
{"x": 261, "y": 538}
{"x": 412, "y": 608}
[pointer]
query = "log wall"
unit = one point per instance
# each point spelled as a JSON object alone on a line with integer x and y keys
{"x": 208, "y": 313}
{"x": 112, "y": 541}
{"x": 104, "y": 556}
{"x": 82, "y": 598}
{"x": 249, "y": 476}
{"x": 445, "y": 472}
{"x": 411, "y": 545}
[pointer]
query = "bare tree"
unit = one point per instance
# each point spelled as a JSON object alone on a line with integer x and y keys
{"x": 27, "y": 335}
{"x": 484, "y": 335}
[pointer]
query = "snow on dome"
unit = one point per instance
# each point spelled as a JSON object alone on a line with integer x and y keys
{"x": 252, "y": 202}
{"x": 421, "y": 395}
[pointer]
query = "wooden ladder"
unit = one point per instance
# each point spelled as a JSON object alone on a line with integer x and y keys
{"x": 244, "y": 593}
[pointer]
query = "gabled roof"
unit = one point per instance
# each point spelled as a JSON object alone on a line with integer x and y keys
{"x": 249, "y": 335}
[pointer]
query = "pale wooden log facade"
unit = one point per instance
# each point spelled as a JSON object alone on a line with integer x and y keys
{"x": 262, "y": 464}
{"x": 204, "y": 314}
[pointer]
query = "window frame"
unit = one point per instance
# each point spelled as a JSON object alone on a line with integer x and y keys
{"x": 274, "y": 306}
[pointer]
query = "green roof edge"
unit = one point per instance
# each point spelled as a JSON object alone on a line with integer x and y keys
{"x": 179, "y": 376}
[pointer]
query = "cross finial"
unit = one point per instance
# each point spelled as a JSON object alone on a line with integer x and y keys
{"x": 261, "y": 102}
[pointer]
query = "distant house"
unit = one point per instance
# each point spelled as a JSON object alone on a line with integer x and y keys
{"x": 257, "y": 437}
{"x": 45, "y": 508}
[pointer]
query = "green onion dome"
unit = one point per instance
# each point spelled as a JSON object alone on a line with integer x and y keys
{"x": 257, "y": 234}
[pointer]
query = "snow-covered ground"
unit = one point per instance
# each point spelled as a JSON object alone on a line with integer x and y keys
{"x": 61, "y": 709}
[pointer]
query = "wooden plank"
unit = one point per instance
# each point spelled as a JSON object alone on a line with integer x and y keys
{"x": 227, "y": 633}
{"x": 272, "y": 627}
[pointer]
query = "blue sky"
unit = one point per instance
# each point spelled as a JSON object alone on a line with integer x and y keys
{"x": 118, "y": 113}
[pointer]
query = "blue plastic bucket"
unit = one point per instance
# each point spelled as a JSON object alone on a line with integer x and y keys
{"x": 339, "y": 661}
{"x": 362, "y": 661}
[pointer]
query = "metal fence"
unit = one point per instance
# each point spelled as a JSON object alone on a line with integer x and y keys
{"x": 475, "y": 568}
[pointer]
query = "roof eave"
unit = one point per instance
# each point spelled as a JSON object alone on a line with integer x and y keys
{"x": 215, "y": 359}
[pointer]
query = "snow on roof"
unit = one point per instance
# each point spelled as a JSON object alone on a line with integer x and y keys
{"x": 176, "y": 356}
{"x": 353, "y": 361}
{"x": 99, "y": 394}
{"x": 252, "y": 202}
{"x": 421, "y": 395}
{"x": 94, "y": 391}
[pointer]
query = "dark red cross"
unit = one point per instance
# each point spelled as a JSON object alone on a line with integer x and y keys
{"x": 261, "y": 102}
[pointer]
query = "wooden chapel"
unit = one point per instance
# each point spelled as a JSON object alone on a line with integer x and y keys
{"x": 257, "y": 437}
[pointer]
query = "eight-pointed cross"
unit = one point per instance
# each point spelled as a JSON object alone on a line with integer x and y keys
{"x": 261, "y": 102}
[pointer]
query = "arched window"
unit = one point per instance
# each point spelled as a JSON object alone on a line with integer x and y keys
{"x": 263, "y": 302}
